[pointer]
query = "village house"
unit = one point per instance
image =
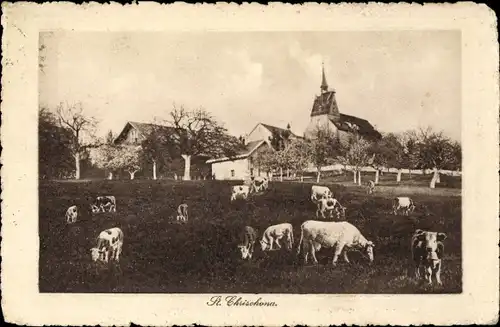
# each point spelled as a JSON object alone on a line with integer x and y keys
{"x": 324, "y": 115}
{"x": 242, "y": 165}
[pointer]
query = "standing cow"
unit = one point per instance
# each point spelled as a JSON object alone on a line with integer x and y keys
{"x": 259, "y": 184}
{"x": 240, "y": 192}
{"x": 273, "y": 234}
{"x": 109, "y": 245}
{"x": 71, "y": 214}
{"x": 427, "y": 250}
{"x": 404, "y": 204}
{"x": 247, "y": 238}
{"x": 330, "y": 205}
{"x": 182, "y": 213}
{"x": 320, "y": 192}
{"x": 341, "y": 236}
{"x": 104, "y": 204}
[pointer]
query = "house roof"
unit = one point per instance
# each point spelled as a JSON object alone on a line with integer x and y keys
{"x": 250, "y": 148}
{"x": 144, "y": 129}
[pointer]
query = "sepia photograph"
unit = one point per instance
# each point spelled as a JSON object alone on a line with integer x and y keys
{"x": 263, "y": 162}
{"x": 250, "y": 165}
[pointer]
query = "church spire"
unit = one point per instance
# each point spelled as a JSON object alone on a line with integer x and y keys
{"x": 324, "y": 84}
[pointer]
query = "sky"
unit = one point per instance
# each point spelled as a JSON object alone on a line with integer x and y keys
{"x": 397, "y": 80}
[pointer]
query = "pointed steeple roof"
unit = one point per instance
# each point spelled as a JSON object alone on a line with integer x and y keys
{"x": 324, "y": 84}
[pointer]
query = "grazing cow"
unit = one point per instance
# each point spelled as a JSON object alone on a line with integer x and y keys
{"x": 240, "y": 191}
{"x": 182, "y": 212}
{"x": 273, "y": 234}
{"x": 330, "y": 205}
{"x": 320, "y": 192}
{"x": 71, "y": 214}
{"x": 259, "y": 184}
{"x": 370, "y": 187}
{"x": 342, "y": 236}
{"x": 247, "y": 236}
{"x": 427, "y": 250}
{"x": 103, "y": 204}
{"x": 109, "y": 245}
{"x": 404, "y": 204}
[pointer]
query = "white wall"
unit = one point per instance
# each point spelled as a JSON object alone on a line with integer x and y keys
{"x": 222, "y": 170}
{"x": 258, "y": 134}
{"x": 321, "y": 121}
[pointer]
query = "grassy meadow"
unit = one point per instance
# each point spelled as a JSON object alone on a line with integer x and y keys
{"x": 160, "y": 256}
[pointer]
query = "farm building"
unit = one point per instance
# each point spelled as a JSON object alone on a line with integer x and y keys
{"x": 325, "y": 114}
{"x": 135, "y": 133}
{"x": 243, "y": 164}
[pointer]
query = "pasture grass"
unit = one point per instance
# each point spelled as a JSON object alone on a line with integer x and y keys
{"x": 160, "y": 256}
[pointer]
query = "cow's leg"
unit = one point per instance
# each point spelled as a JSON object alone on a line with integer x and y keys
{"x": 338, "y": 251}
{"x": 276, "y": 240}
{"x": 428, "y": 274}
{"x": 313, "y": 253}
{"x": 438, "y": 273}
{"x": 345, "y": 257}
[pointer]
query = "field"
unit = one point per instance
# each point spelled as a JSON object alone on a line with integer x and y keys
{"x": 162, "y": 257}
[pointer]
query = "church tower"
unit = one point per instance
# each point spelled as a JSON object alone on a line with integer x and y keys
{"x": 325, "y": 111}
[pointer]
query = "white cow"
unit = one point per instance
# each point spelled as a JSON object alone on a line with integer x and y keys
{"x": 247, "y": 238}
{"x": 342, "y": 236}
{"x": 182, "y": 212}
{"x": 320, "y": 192}
{"x": 370, "y": 187}
{"x": 71, "y": 214}
{"x": 427, "y": 251}
{"x": 259, "y": 184}
{"x": 240, "y": 191}
{"x": 109, "y": 245}
{"x": 330, "y": 205}
{"x": 404, "y": 204}
{"x": 273, "y": 234}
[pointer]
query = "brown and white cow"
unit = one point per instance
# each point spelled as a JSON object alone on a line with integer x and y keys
{"x": 104, "y": 204}
{"x": 247, "y": 238}
{"x": 71, "y": 214}
{"x": 109, "y": 245}
{"x": 427, "y": 250}
{"x": 273, "y": 234}
{"x": 403, "y": 204}
{"x": 341, "y": 236}
{"x": 370, "y": 187}
{"x": 240, "y": 192}
{"x": 330, "y": 205}
{"x": 182, "y": 213}
{"x": 259, "y": 184}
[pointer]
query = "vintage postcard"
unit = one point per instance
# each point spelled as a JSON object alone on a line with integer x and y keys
{"x": 230, "y": 165}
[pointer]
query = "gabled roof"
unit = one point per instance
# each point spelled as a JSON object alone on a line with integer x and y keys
{"x": 144, "y": 129}
{"x": 349, "y": 123}
{"x": 242, "y": 154}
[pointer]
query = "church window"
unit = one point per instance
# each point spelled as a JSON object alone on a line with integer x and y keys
{"x": 232, "y": 172}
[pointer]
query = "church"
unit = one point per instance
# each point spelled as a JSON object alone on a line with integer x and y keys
{"x": 324, "y": 115}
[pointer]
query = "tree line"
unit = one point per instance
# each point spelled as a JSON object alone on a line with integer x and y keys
{"x": 423, "y": 149}
{"x": 67, "y": 139}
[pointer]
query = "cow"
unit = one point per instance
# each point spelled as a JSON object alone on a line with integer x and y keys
{"x": 320, "y": 192}
{"x": 182, "y": 212}
{"x": 103, "y": 204}
{"x": 259, "y": 184}
{"x": 247, "y": 238}
{"x": 240, "y": 191}
{"x": 71, "y": 214}
{"x": 342, "y": 236}
{"x": 273, "y": 234}
{"x": 427, "y": 250}
{"x": 330, "y": 205}
{"x": 370, "y": 186}
{"x": 109, "y": 245}
{"x": 404, "y": 204}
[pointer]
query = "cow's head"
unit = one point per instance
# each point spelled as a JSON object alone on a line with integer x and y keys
{"x": 95, "y": 253}
{"x": 94, "y": 208}
{"x": 430, "y": 241}
{"x": 244, "y": 252}
{"x": 264, "y": 245}
{"x": 369, "y": 250}
{"x": 340, "y": 211}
